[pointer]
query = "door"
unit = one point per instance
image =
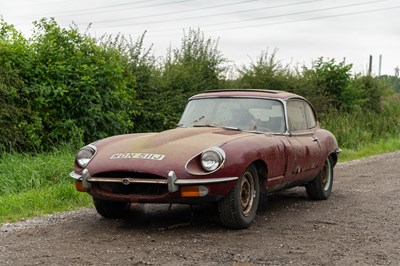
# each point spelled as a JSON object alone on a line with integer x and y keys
{"x": 302, "y": 142}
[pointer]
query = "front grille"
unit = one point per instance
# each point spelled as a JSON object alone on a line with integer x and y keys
{"x": 128, "y": 174}
{"x": 133, "y": 188}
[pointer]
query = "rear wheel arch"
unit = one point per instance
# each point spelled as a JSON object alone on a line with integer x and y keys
{"x": 321, "y": 186}
{"x": 334, "y": 158}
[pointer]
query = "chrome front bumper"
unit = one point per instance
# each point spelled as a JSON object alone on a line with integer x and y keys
{"x": 172, "y": 181}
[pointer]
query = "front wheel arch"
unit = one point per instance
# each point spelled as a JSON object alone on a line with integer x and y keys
{"x": 111, "y": 209}
{"x": 262, "y": 170}
{"x": 238, "y": 208}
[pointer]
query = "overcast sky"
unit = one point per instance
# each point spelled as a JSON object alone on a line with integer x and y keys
{"x": 301, "y": 30}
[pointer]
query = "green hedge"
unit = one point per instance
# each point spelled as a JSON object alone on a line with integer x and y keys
{"x": 62, "y": 86}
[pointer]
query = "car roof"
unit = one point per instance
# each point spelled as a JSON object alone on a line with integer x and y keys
{"x": 268, "y": 94}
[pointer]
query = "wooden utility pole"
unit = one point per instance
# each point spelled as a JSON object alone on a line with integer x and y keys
{"x": 370, "y": 66}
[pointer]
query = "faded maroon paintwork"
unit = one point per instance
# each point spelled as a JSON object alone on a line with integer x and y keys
{"x": 282, "y": 160}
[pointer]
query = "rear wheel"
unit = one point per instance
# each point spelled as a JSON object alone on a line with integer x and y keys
{"x": 320, "y": 188}
{"x": 238, "y": 209}
{"x": 111, "y": 209}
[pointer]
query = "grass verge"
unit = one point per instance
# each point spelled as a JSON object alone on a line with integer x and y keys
{"x": 379, "y": 147}
{"x": 41, "y": 201}
{"x": 34, "y": 185}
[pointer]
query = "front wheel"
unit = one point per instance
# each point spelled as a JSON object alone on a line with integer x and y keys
{"x": 320, "y": 188}
{"x": 238, "y": 209}
{"x": 111, "y": 209}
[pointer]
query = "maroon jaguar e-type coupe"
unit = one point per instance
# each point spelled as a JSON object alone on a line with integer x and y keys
{"x": 231, "y": 147}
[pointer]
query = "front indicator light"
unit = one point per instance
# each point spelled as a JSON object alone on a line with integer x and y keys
{"x": 79, "y": 186}
{"x": 194, "y": 191}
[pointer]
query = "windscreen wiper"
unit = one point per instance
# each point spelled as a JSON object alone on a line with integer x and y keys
{"x": 232, "y": 128}
{"x": 205, "y": 125}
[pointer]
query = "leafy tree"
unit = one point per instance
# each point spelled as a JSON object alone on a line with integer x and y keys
{"x": 143, "y": 67}
{"x": 194, "y": 67}
{"x": 332, "y": 78}
{"x": 79, "y": 89}
{"x": 365, "y": 93}
{"x": 15, "y": 64}
{"x": 268, "y": 73}
{"x": 61, "y": 86}
{"x": 265, "y": 73}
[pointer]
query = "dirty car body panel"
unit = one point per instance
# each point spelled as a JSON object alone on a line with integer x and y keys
{"x": 232, "y": 147}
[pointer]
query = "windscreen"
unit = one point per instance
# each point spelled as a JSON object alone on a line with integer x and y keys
{"x": 242, "y": 113}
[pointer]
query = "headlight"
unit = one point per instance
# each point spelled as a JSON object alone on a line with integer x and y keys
{"x": 85, "y": 155}
{"x": 212, "y": 159}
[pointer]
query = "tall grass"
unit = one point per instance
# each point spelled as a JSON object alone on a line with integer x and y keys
{"x": 41, "y": 201}
{"x": 21, "y": 172}
{"x": 386, "y": 145}
{"x": 32, "y": 185}
{"x": 360, "y": 128}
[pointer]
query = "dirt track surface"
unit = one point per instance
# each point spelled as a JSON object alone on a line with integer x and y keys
{"x": 358, "y": 225}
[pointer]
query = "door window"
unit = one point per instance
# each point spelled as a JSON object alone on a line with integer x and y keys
{"x": 300, "y": 116}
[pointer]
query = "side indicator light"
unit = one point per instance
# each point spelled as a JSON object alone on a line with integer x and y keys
{"x": 194, "y": 191}
{"x": 79, "y": 186}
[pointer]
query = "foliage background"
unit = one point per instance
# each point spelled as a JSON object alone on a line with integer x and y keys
{"x": 62, "y": 86}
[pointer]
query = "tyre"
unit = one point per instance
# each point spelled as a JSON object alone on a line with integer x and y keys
{"x": 111, "y": 209}
{"x": 238, "y": 209}
{"x": 321, "y": 186}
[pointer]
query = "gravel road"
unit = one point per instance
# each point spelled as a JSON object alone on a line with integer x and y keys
{"x": 358, "y": 225}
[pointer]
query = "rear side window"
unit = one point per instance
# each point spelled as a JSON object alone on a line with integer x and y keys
{"x": 310, "y": 116}
{"x": 300, "y": 116}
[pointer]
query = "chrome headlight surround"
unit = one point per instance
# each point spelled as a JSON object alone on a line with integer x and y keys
{"x": 85, "y": 155}
{"x": 212, "y": 159}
